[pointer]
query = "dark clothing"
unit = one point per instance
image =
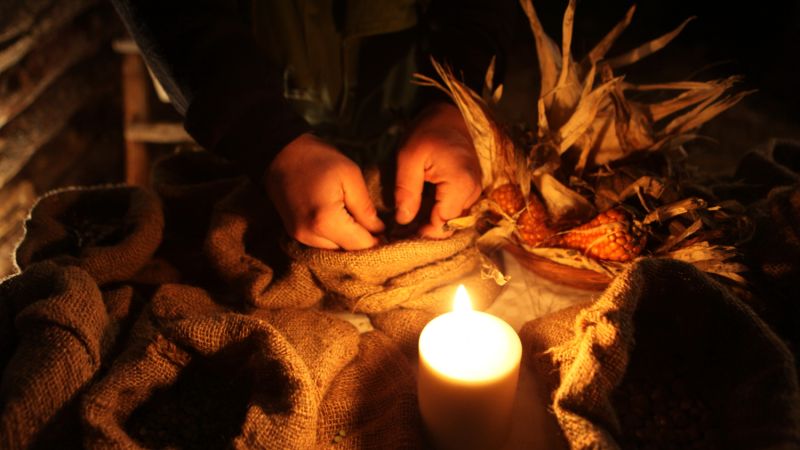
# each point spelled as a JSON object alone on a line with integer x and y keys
{"x": 233, "y": 91}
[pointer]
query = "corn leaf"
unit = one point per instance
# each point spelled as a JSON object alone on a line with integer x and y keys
{"x": 583, "y": 116}
{"x": 648, "y": 48}
{"x": 599, "y": 51}
{"x": 678, "y": 208}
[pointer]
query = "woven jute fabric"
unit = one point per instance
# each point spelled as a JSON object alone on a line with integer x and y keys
{"x": 658, "y": 313}
{"x": 192, "y": 359}
{"x": 55, "y": 331}
{"x": 414, "y": 273}
{"x": 183, "y": 317}
{"x": 110, "y": 232}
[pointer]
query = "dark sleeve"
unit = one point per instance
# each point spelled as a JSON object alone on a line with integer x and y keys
{"x": 205, "y": 56}
{"x": 466, "y": 34}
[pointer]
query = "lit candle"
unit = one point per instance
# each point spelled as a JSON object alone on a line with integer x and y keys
{"x": 468, "y": 371}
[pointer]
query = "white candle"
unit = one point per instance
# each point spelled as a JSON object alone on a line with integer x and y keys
{"x": 468, "y": 371}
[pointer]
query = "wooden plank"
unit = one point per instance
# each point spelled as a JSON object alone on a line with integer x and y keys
{"x": 24, "y": 82}
{"x": 20, "y": 139}
{"x": 15, "y": 203}
{"x": 8, "y": 246}
{"x": 61, "y": 13}
{"x": 158, "y": 133}
{"x": 18, "y": 16}
{"x": 136, "y": 109}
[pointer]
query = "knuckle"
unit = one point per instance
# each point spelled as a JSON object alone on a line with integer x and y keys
{"x": 349, "y": 169}
{"x": 318, "y": 222}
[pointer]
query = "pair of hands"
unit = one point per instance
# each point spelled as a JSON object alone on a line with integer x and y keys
{"x": 323, "y": 201}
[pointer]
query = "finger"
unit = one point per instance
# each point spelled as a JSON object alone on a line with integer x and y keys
{"x": 435, "y": 230}
{"x": 338, "y": 226}
{"x": 452, "y": 197}
{"x": 409, "y": 184}
{"x": 358, "y": 203}
{"x": 312, "y": 240}
{"x": 451, "y": 202}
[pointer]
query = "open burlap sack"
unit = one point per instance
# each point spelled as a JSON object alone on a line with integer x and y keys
{"x": 667, "y": 356}
{"x": 109, "y": 231}
{"x": 195, "y": 374}
{"x": 55, "y": 333}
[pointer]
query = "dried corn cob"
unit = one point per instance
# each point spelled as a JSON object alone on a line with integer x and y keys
{"x": 611, "y": 236}
{"x": 532, "y": 223}
{"x": 509, "y": 198}
{"x": 532, "y": 220}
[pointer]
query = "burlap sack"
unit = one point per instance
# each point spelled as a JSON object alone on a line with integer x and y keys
{"x": 666, "y": 326}
{"x": 403, "y": 326}
{"x": 773, "y": 256}
{"x": 243, "y": 248}
{"x": 109, "y": 231}
{"x": 372, "y": 403}
{"x": 55, "y": 333}
{"x": 241, "y": 244}
{"x": 194, "y": 370}
{"x": 221, "y": 228}
{"x": 195, "y": 374}
{"x": 415, "y": 273}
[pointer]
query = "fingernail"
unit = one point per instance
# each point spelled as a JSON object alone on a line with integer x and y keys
{"x": 404, "y": 215}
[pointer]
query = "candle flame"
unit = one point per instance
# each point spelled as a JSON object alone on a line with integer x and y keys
{"x": 462, "y": 303}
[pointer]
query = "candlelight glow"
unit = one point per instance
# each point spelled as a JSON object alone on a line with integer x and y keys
{"x": 462, "y": 301}
{"x": 468, "y": 345}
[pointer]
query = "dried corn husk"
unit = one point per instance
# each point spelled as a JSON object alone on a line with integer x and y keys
{"x": 585, "y": 122}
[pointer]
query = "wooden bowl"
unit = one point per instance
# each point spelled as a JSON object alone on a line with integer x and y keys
{"x": 585, "y": 279}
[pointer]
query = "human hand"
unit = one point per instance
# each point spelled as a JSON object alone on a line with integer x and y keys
{"x": 321, "y": 196}
{"x": 439, "y": 150}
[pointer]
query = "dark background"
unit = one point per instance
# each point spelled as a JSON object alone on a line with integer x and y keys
{"x": 759, "y": 40}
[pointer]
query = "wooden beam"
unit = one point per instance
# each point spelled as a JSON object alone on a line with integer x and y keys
{"x": 23, "y": 83}
{"x": 157, "y": 133}
{"x": 21, "y": 137}
{"x": 61, "y": 13}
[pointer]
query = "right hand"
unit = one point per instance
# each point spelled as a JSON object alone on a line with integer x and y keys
{"x": 321, "y": 196}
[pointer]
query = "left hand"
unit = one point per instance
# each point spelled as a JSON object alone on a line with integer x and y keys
{"x": 439, "y": 150}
